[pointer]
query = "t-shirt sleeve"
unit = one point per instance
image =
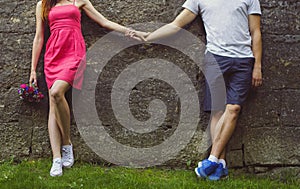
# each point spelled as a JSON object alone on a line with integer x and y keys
{"x": 254, "y": 7}
{"x": 192, "y": 5}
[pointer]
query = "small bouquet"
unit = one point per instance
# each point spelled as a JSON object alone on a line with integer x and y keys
{"x": 30, "y": 94}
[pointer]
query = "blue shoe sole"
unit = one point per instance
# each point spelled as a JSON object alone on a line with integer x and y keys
{"x": 196, "y": 171}
{"x": 212, "y": 178}
{"x": 224, "y": 174}
{"x": 199, "y": 172}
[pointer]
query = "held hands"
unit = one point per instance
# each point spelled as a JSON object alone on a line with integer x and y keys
{"x": 138, "y": 35}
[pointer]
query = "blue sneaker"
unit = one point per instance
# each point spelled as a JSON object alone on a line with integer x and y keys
{"x": 207, "y": 167}
{"x": 200, "y": 164}
{"x": 219, "y": 173}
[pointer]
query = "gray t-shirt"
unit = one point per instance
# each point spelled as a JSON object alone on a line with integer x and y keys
{"x": 226, "y": 24}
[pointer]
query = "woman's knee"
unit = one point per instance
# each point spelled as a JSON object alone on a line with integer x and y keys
{"x": 56, "y": 95}
{"x": 58, "y": 90}
{"x": 233, "y": 109}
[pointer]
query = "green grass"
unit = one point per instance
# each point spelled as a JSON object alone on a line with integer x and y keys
{"x": 35, "y": 174}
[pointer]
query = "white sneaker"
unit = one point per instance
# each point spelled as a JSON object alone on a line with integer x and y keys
{"x": 67, "y": 156}
{"x": 56, "y": 169}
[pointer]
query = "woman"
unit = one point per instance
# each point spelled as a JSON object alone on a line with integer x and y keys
{"x": 65, "y": 51}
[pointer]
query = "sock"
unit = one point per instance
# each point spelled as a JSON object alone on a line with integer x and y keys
{"x": 213, "y": 159}
{"x": 223, "y": 162}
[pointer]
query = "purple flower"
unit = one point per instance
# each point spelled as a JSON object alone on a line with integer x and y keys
{"x": 30, "y": 94}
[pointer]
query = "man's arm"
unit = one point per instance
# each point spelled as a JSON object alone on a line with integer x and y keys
{"x": 184, "y": 18}
{"x": 254, "y": 24}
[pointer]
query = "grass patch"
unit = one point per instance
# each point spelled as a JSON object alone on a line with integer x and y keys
{"x": 35, "y": 174}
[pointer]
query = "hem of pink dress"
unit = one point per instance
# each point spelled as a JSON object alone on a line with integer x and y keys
{"x": 66, "y": 80}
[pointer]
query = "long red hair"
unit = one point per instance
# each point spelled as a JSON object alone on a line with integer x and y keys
{"x": 46, "y": 6}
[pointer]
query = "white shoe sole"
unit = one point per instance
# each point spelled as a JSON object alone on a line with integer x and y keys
{"x": 68, "y": 166}
{"x": 54, "y": 175}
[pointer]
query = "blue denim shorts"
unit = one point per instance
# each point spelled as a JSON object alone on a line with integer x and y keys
{"x": 228, "y": 81}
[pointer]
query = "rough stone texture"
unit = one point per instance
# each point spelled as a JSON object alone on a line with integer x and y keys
{"x": 235, "y": 158}
{"x": 290, "y": 110}
{"x": 272, "y": 146}
{"x": 283, "y": 174}
{"x": 267, "y": 134}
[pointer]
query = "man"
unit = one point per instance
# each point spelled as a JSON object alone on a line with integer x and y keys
{"x": 234, "y": 42}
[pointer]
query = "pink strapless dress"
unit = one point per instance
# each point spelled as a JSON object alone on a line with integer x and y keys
{"x": 65, "y": 50}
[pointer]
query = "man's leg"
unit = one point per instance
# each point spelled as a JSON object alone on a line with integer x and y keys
{"x": 238, "y": 86}
{"x": 238, "y": 82}
{"x": 224, "y": 130}
{"x": 217, "y": 120}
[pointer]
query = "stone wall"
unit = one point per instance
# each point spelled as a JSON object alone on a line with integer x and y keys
{"x": 268, "y": 131}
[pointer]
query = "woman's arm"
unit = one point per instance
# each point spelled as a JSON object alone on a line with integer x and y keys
{"x": 185, "y": 17}
{"x": 37, "y": 43}
{"x": 91, "y": 12}
{"x": 254, "y": 24}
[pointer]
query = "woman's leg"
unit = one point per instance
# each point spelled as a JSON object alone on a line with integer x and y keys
{"x": 54, "y": 132}
{"x": 59, "y": 124}
{"x": 59, "y": 117}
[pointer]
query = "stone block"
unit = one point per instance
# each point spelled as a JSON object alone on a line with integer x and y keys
{"x": 262, "y": 146}
{"x": 290, "y": 109}
{"x": 262, "y": 109}
{"x": 272, "y": 146}
{"x": 280, "y": 62}
{"x": 17, "y": 17}
{"x": 284, "y": 174}
{"x": 15, "y": 139}
{"x": 236, "y": 141}
{"x": 280, "y": 17}
{"x": 40, "y": 146}
{"x": 290, "y": 154}
{"x": 235, "y": 159}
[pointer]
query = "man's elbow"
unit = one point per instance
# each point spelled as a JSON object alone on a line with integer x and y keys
{"x": 256, "y": 34}
{"x": 177, "y": 24}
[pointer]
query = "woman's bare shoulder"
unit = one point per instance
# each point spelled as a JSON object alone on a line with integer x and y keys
{"x": 82, "y": 3}
{"x": 39, "y": 4}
